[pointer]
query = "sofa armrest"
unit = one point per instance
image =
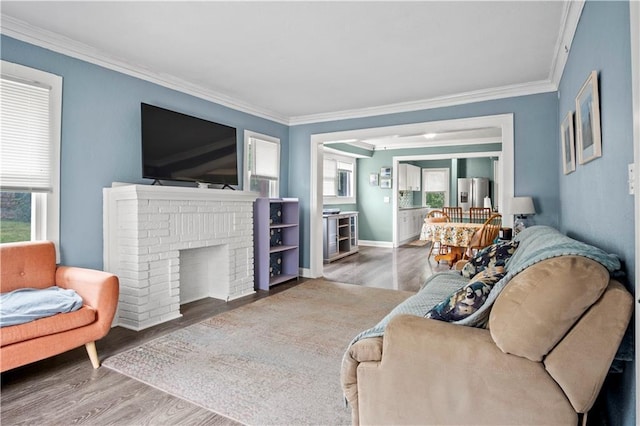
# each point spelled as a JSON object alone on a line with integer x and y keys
{"x": 365, "y": 350}
{"x": 98, "y": 290}
{"x": 432, "y": 372}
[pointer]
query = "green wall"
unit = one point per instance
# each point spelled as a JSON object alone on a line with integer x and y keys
{"x": 476, "y": 167}
{"x": 375, "y": 219}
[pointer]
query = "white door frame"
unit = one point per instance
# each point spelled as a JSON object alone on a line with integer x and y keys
{"x": 504, "y": 121}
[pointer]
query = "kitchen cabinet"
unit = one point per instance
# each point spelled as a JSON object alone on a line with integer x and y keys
{"x": 410, "y": 224}
{"x": 409, "y": 177}
{"x": 340, "y": 235}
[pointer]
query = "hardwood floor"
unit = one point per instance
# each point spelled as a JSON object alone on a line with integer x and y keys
{"x": 65, "y": 389}
{"x": 403, "y": 268}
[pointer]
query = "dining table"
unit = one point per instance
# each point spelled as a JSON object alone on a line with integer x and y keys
{"x": 455, "y": 235}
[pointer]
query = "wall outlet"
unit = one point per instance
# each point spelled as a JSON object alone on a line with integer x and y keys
{"x": 632, "y": 179}
{"x": 386, "y": 199}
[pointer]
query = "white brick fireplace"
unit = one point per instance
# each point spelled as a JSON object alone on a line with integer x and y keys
{"x": 150, "y": 232}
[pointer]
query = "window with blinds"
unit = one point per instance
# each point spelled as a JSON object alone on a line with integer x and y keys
{"x": 338, "y": 183}
{"x": 25, "y": 160}
{"x": 262, "y": 160}
{"x": 30, "y": 121}
{"x": 436, "y": 187}
{"x": 329, "y": 174}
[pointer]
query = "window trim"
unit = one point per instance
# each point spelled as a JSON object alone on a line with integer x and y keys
{"x": 354, "y": 178}
{"x": 47, "y": 205}
{"x": 249, "y": 134}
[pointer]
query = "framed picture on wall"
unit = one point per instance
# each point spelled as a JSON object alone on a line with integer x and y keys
{"x": 385, "y": 183}
{"x": 373, "y": 179}
{"x": 385, "y": 172}
{"x": 568, "y": 144}
{"x": 589, "y": 142}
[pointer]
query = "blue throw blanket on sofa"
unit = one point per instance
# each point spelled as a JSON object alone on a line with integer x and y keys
{"x": 536, "y": 244}
{"x": 29, "y": 304}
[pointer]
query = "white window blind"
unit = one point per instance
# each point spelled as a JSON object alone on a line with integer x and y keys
{"x": 435, "y": 181}
{"x": 345, "y": 166}
{"x": 26, "y": 149}
{"x": 329, "y": 172}
{"x": 266, "y": 158}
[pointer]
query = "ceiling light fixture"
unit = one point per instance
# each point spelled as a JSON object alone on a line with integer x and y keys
{"x": 429, "y": 135}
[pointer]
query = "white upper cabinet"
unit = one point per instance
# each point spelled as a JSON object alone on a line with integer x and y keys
{"x": 408, "y": 177}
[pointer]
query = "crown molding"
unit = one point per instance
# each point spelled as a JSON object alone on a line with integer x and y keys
{"x": 510, "y": 91}
{"x": 570, "y": 18}
{"x": 53, "y": 41}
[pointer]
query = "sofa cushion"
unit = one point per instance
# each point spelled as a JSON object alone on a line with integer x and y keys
{"x": 540, "y": 304}
{"x": 27, "y": 264}
{"x": 468, "y": 299}
{"x": 46, "y": 326}
{"x": 493, "y": 255}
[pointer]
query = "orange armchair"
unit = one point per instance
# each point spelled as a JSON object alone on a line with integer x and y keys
{"x": 33, "y": 265}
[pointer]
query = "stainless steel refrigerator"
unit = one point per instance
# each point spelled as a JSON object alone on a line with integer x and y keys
{"x": 471, "y": 192}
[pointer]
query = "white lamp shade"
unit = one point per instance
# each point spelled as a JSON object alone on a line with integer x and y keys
{"x": 520, "y": 206}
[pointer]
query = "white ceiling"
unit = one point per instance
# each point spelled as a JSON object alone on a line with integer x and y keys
{"x": 297, "y": 62}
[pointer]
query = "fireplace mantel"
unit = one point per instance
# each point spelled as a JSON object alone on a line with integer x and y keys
{"x": 146, "y": 228}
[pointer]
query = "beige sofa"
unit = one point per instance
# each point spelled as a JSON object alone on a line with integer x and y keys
{"x": 552, "y": 334}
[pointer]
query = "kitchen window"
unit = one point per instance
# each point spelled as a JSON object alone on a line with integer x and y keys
{"x": 435, "y": 188}
{"x": 30, "y": 154}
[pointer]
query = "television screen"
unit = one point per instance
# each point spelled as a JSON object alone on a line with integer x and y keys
{"x": 179, "y": 147}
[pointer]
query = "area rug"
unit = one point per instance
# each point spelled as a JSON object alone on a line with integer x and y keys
{"x": 275, "y": 361}
{"x": 419, "y": 243}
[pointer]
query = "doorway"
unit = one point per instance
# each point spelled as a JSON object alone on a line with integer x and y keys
{"x": 503, "y": 121}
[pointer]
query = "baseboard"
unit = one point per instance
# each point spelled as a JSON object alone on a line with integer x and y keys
{"x": 229, "y": 299}
{"x": 408, "y": 240}
{"x": 368, "y": 243}
{"x": 305, "y": 273}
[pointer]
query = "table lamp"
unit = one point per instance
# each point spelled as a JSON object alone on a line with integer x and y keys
{"x": 520, "y": 207}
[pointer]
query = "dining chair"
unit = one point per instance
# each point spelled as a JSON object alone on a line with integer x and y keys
{"x": 479, "y": 214}
{"x": 454, "y": 213}
{"x": 436, "y": 216}
{"x": 485, "y": 236}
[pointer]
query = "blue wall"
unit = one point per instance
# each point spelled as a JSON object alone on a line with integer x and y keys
{"x": 101, "y": 144}
{"x": 595, "y": 206}
{"x": 535, "y": 151}
{"x": 101, "y": 138}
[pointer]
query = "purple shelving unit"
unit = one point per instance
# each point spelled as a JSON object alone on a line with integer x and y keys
{"x": 276, "y": 237}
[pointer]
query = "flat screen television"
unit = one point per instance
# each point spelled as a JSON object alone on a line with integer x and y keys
{"x": 180, "y": 147}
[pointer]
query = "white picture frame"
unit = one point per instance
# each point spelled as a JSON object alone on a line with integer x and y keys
{"x": 589, "y": 140}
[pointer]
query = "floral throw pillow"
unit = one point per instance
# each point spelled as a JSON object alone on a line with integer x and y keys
{"x": 493, "y": 255}
{"x": 468, "y": 299}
